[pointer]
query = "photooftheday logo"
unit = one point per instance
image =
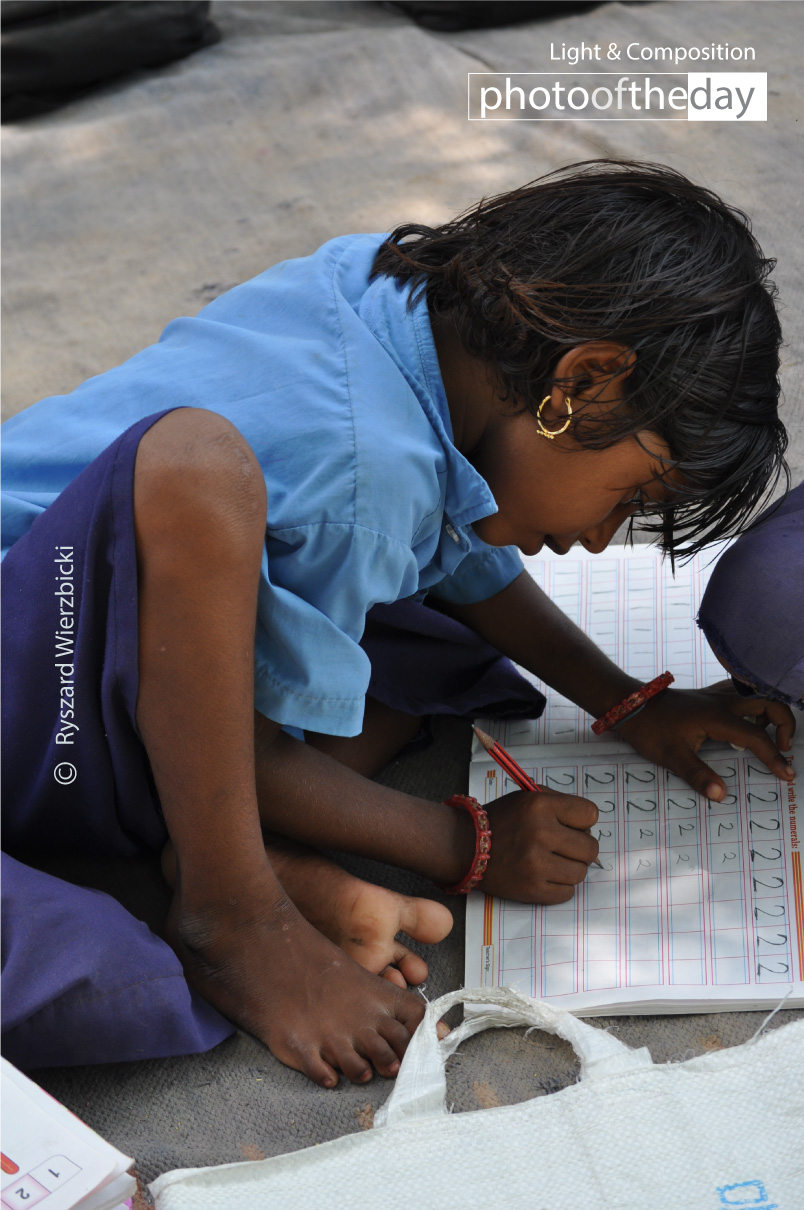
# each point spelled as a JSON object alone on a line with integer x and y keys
{"x": 734, "y": 96}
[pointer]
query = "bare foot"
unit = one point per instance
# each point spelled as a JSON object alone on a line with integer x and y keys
{"x": 360, "y": 917}
{"x": 259, "y": 962}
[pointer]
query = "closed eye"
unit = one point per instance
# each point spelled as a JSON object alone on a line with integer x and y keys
{"x": 645, "y": 507}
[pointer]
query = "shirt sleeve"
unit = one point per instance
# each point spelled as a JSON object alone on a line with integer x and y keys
{"x": 485, "y": 571}
{"x": 317, "y": 584}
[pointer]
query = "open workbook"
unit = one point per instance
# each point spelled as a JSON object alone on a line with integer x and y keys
{"x": 698, "y": 905}
{"x": 51, "y": 1159}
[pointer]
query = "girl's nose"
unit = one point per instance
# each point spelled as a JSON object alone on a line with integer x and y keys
{"x": 597, "y": 538}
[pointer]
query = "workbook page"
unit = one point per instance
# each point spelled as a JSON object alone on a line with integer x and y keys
{"x": 634, "y": 610}
{"x": 698, "y": 903}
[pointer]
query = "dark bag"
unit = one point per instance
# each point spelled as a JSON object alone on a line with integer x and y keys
{"x": 53, "y": 51}
{"x": 446, "y": 15}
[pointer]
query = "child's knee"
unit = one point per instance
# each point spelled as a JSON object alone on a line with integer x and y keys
{"x": 196, "y": 474}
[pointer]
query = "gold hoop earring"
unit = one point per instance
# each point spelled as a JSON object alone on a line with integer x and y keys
{"x": 543, "y": 432}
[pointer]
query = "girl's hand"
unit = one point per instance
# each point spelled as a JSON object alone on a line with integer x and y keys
{"x": 541, "y": 848}
{"x": 672, "y": 727}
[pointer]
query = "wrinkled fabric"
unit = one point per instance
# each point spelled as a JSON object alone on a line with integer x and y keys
{"x": 85, "y": 982}
{"x": 423, "y": 662}
{"x": 752, "y": 612}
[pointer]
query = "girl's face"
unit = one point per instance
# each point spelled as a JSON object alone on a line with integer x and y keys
{"x": 556, "y": 493}
{"x": 550, "y": 493}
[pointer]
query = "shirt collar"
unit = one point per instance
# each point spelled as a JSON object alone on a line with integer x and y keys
{"x": 407, "y": 336}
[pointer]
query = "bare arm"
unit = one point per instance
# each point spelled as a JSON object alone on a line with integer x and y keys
{"x": 540, "y": 850}
{"x": 525, "y": 625}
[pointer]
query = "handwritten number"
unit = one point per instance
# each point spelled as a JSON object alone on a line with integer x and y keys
{"x": 569, "y": 779}
{"x": 728, "y": 800}
{"x": 758, "y": 882}
{"x": 784, "y": 968}
{"x": 763, "y": 826}
{"x": 601, "y": 781}
{"x": 776, "y": 915}
{"x": 629, "y": 804}
{"x": 645, "y": 780}
{"x": 756, "y": 853}
{"x": 768, "y": 942}
{"x": 774, "y": 797}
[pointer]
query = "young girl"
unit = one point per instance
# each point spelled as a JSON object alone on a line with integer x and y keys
{"x": 198, "y": 535}
{"x": 752, "y": 612}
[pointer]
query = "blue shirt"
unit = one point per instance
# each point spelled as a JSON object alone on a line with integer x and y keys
{"x": 334, "y": 382}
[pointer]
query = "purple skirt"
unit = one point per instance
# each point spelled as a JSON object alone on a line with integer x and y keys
{"x": 84, "y": 981}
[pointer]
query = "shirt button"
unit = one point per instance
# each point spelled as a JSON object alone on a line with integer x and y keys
{"x": 452, "y": 533}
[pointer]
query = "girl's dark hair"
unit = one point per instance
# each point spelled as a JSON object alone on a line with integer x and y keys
{"x": 637, "y": 254}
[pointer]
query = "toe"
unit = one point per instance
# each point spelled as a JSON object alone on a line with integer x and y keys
{"x": 412, "y": 968}
{"x": 394, "y": 976}
{"x": 425, "y": 920}
{"x": 342, "y": 1054}
{"x": 375, "y": 1048}
{"x": 398, "y": 1035}
{"x": 312, "y": 1065}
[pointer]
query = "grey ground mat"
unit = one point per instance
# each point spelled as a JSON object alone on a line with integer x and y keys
{"x": 237, "y": 1102}
{"x": 150, "y": 197}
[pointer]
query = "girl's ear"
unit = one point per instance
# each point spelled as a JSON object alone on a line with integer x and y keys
{"x": 595, "y": 370}
{"x": 595, "y": 363}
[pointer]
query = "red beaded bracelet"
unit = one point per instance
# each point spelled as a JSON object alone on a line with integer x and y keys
{"x": 482, "y": 844}
{"x": 629, "y": 705}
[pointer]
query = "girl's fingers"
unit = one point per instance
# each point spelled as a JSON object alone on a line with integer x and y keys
{"x": 706, "y": 782}
{"x": 747, "y": 735}
{"x": 766, "y": 712}
{"x": 568, "y": 871}
{"x": 698, "y": 775}
{"x": 784, "y": 736}
{"x": 556, "y": 892}
{"x": 782, "y": 718}
{"x": 576, "y": 813}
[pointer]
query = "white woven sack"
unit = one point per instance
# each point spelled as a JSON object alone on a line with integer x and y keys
{"x": 724, "y": 1129}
